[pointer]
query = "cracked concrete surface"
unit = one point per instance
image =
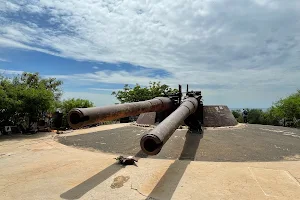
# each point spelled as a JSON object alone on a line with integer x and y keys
{"x": 42, "y": 168}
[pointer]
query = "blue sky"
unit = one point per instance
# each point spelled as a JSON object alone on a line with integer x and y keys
{"x": 239, "y": 53}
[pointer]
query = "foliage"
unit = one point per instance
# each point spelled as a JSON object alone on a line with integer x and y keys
{"x": 34, "y": 80}
{"x": 30, "y": 96}
{"x": 286, "y": 108}
{"x": 254, "y": 116}
{"x": 27, "y": 96}
{"x": 139, "y": 93}
{"x": 269, "y": 117}
{"x": 69, "y": 104}
{"x": 236, "y": 113}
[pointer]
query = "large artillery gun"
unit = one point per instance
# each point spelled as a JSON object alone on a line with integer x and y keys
{"x": 189, "y": 112}
{"x": 171, "y": 111}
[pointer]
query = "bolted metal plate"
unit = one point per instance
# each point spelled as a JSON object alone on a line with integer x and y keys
{"x": 217, "y": 116}
{"x": 147, "y": 118}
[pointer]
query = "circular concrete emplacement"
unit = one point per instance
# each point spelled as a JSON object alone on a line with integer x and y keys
{"x": 237, "y": 144}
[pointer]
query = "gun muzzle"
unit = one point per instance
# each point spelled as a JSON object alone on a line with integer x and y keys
{"x": 152, "y": 142}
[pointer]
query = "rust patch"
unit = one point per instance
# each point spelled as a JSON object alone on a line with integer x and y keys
{"x": 119, "y": 181}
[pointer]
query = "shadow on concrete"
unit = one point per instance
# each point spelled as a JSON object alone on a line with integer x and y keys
{"x": 84, "y": 187}
{"x": 165, "y": 187}
{"x": 168, "y": 183}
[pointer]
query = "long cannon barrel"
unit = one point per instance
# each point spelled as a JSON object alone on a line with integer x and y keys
{"x": 152, "y": 142}
{"x": 79, "y": 117}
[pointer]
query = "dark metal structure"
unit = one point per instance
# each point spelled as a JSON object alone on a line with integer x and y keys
{"x": 80, "y": 117}
{"x": 168, "y": 111}
{"x": 152, "y": 142}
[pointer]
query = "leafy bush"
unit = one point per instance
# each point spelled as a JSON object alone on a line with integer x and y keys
{"x": 236, "y": 114}
{"x": 287, "y": 108}
{"x": 27, "y": 97}
{"x": 67, "y": 105}
{"x": 255, "y": 116}
{"x": 138, "y": 93}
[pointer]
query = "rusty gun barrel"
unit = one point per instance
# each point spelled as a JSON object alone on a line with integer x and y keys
{"x": 152, "y": 142}
{"x": 79, "y": 117}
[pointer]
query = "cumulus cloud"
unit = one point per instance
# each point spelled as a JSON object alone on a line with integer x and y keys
{"x": 258, "y": 79}
{"x": 105, "y": 89}
{"x": 229, "y": 44}
{"x": 3, "y": 60}
{"x": 7, "y": 6}
{"x": 97, "y": 99}
{"x": 33, "y": 9}
{"x": 10, "y": 72}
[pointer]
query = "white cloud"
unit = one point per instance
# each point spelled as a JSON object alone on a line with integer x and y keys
{"x": 97, "y": 99}
{"x": 10, "y": 72}
{"x": 166, "y": 34}
{"x": 95, "y": 67}
{"x": 234, "y": 90}
{"x": 105, "y": 89}
{"x": 239, "y": 80}
{"x": 13, "y": 44}
{"x": 34, "y": 9}
{"x": 8, "y": 6}
{"x": 230, "y": 44}
{"x": 3, "y": 60}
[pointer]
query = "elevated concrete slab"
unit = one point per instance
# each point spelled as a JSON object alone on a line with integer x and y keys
{"x": 41, "y": 168}
{"x": 218, "y": 116}
{"x": 238, "y": 143}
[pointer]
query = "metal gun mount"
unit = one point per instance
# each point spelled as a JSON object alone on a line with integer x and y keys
{"x": 172, "y": 109}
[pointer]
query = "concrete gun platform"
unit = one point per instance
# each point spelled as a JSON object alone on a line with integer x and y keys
{"x": 39, "y": 167}
{"x": 234, "y": 144}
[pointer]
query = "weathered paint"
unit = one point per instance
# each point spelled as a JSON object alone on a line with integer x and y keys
{"x": 80, "y": 117}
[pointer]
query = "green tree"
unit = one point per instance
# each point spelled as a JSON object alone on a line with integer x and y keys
{"x": 9, "y": 104}
{"x": 285, "y": 108}
{"x": 27, "y": 96}
{"x": 69, "y": 104}
{"x": 139, "y": 93}
{"x": 255, "y": 116}
{"x": 36, "y": 102}
{"x": 288, "y": 107}
{"x": 236, "y": 114}
{"x": 269, "y": 117}
{"x": 34, "y": 80}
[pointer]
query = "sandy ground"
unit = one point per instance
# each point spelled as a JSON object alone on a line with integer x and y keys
{"x": 38, "y": 167}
